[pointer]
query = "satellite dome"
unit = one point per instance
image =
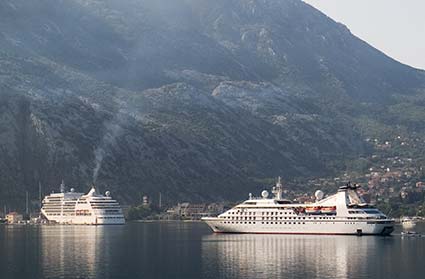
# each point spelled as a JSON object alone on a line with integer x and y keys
{"x": 72, "y": 190}
{"x": 319, "y": 194}
{"x": 265, "y": 194}
{"x": 108, "y": 193}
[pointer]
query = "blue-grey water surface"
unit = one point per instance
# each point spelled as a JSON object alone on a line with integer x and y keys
{"x": 190, "y": 250}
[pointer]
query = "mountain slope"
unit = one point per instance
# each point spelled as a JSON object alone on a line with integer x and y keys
{"x": 196, "y": 99}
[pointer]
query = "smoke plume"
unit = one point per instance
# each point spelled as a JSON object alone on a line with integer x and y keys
{"x": 113, "y": 131}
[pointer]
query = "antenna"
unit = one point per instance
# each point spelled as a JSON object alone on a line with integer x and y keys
{"x": 62, "y": 187}
{"x": 160, "y": 200}
{"x": 26, "y": 203}
{"x": 278, "y": 190}
{"x": 39, "y": 193}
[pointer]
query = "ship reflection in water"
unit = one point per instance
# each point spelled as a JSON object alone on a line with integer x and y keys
{"x": 292, "y": 256}
{"x": 78, "y": 250}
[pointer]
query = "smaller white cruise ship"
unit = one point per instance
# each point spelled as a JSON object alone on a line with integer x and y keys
{"x": 81, "y": 209}
{"x": 342, "y": 213}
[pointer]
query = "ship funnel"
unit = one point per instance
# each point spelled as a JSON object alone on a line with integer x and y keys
{"x": 92, "y": 191}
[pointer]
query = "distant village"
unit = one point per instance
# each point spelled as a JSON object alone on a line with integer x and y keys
{"x": 394, "y": 182}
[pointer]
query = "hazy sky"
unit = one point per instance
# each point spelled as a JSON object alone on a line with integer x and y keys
{"x": 396, "y": 27}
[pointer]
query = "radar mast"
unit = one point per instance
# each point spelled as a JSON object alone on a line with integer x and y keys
{"x": 62, "y": 187}
{"x": 278, "y": 189}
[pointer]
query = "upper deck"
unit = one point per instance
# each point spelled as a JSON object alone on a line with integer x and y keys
{"x": 346, "y": 202}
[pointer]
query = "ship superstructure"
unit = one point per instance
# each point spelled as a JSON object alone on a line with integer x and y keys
{"x": 79, "y": 208}
{"x": 342, "y": 213}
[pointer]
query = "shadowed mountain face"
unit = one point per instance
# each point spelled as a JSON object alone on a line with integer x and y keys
{"x": 198, "y": 99}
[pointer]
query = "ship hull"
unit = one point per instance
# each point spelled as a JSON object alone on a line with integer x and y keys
{"x": 334, "y": 227}
{"x": 118, "y": 220}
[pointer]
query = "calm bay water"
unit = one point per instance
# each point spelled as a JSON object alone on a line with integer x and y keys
{"x": 190, "y": 250}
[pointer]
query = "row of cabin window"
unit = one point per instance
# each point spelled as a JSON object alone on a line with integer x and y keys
{"x": 363, "y": 212}
{"x": 262, "y": 213}
{"x": 271, "y": 223}
{"x": 361, "y": 218}
{"x": 285, "y": 223}
{"x": 83, "y": 214}
{"x": 281, "y": 218}
{"x": 60, "y": 214}
{"x": 56, "y": 211}
{"x": 356, "y": 212}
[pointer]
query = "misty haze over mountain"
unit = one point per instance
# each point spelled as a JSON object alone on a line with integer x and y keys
{"x": 198, "y": 99}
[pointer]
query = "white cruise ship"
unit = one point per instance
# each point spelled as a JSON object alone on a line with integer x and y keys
{"x": 79, "y": 208}
{"x": 342, "y": 213}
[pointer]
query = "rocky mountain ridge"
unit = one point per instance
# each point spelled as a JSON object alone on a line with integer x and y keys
{"x": 199, "y": 100}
